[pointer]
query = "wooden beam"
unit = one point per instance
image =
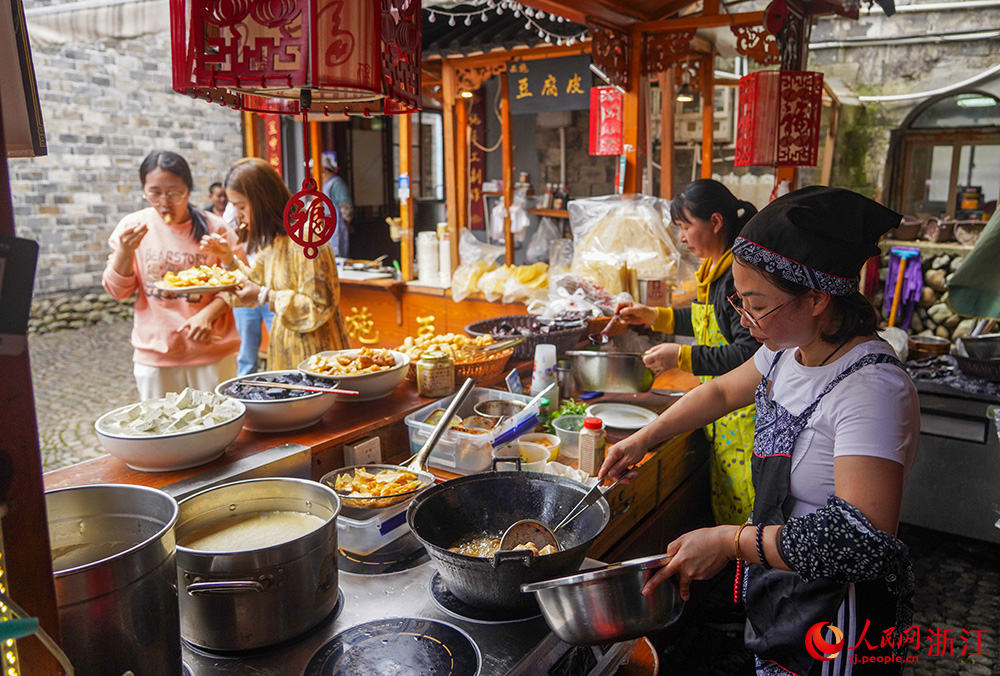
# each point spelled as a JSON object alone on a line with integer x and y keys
{"x": 27, "y": 565}
{"x": 507, "y": 153}
{"x": 450, "y": 179}
{"x": 631, "y": 124}
{"x": 462, "y": 161}
{"x": 667, "y": 133}
{"x": 829, "y": 146}
{"x": 697, "y": 21}
{"x": 579, "y": 11}
{"x": 505, "y": 56}
{"x": 406, "y": 207}
{"x": 707, "y": 86}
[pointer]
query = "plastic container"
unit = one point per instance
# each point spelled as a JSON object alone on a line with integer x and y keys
{"x": 593, "y": 440}
{"x": 363, "y": 531}
{"x": 462, "y": 452}
{"x": 568, "y": 430}
{"x": 435, "y": 375}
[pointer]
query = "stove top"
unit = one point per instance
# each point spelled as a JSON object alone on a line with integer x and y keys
{"x": 513, "y": 648}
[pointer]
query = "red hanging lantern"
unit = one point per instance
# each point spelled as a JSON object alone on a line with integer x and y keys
{"x": 605, "y": 121}
{"x": 289, "y": 56}
{"x": 778, "y": 118}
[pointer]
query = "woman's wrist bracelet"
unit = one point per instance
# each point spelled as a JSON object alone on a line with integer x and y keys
{"x": 736, "y": 541}
{"x": 262, "y": 295}
{"x": 232, "y": 264}
{"x": 760, "y": 545}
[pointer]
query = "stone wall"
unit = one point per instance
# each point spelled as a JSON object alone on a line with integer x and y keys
{"x": 106, "y": 105}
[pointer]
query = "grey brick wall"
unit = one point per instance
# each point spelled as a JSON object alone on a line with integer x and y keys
{"x": 106, "y": 105}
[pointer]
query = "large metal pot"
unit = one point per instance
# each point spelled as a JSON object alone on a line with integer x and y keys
{"x": 488, "y": 503}
{"x": 610, "y": 371}
{"x": 606, "y": 605}
{"x": 112, "y": 549}
{"x": 241, "y": 600}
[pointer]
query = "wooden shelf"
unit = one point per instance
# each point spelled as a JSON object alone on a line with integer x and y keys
{"x": 551, "y": 213}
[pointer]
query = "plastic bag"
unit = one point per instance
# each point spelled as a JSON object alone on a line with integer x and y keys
{"x": 560, "y": 300}
{"x": 541, "y": 242}
{"x": 621, "y": 239}
{"x": 516, "y": 283}
{"x": 476, "y": 259}
{"x": 518, "y": 218}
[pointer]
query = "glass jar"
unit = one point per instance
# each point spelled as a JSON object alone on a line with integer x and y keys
{"x": 435, "y": 375}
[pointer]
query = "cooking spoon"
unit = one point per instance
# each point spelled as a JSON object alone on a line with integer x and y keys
{"x": 602, "y": 338}
{"x": 529, "y": 530}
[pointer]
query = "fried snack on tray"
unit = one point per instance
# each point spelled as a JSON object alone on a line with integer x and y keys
{"x": 364, "y": 484}
{"x": 455, "y": 345}
{"x": 203, "y": 275}
{"x": 367, "y": 360}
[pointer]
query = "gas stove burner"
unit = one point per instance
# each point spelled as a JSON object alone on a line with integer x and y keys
{"x": 399, "y": 555}
{"x": 400, "y": 645}
{"x": 244, "y": 654}
{"x": 457, "y": 608}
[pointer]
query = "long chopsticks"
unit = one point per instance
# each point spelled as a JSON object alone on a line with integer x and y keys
{"x": 287, "y": 386}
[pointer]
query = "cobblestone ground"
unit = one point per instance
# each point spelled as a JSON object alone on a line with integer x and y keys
{"x": 78, "y": 375}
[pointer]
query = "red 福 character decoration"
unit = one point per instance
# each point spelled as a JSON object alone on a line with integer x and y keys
{"x": 310, "y": 219}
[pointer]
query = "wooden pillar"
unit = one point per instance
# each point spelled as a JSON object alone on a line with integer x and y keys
{"x": 831, "y": 140}
{"x": 27, "y": 565}
{"x": 448, "y": 90}
{"x": 707, "y": 86}
{"x": 632, "y": 127}
{"x": 667, "y": 104}
{"x": 250, "y": 142}
{"x": 462, "y": 161}
{"x": 507, "y": 152}
{"x": 406, "y": 206}
{"x": 783, "y": 173}
{"x": 314, "y": 151}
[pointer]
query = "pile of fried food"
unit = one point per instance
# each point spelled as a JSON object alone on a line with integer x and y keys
{"x": 365, "y": 360}
{"x": 386, "y": 483}
{"x": 203, "y": 275}
{"x": 487, "y": 545}
{"x": 458, "y": 346}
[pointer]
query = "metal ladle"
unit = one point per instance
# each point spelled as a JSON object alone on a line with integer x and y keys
{"x": 529, "y": 530}
{"x": 602, "y": 337}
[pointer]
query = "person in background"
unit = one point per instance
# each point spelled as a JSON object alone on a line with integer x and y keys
{"x": 248, "y": 319}
{"x": 838, "y": 422}
{"x": 710, "y": 217}
{"x": 217, "y": 197}
{"x": 303, "y": 293}
{"x": 335, "y": 188}
{"x": 180, "y": 340}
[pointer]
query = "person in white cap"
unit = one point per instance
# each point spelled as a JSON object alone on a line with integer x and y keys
{"x": 335, "y": 188}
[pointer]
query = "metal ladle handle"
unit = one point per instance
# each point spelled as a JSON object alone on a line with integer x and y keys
{"x": 590, "y": 498}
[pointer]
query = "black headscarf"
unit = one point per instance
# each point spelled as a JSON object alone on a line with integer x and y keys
{"x": 818, "y": 237}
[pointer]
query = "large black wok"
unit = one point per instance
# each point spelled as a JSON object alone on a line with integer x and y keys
{"x": 488, "y": 503}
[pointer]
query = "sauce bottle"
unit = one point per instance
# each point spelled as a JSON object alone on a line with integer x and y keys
{"x": 435, "y": 375}
{"x": 593, "y": 441}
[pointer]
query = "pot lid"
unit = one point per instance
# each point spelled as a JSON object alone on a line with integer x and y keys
{"x": 604, "y": 572}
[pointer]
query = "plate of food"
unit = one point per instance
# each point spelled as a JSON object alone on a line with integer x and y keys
{"x": 373, "y": 372}
{"x": 376, "y": 486}
{"x": 200, "y": 279}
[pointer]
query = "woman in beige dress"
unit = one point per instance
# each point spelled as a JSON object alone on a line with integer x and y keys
{"x": 303, "y": 293}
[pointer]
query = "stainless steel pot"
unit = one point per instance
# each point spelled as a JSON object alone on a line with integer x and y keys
{"x": 605, "y": 605}
{"x": 112, "y": 548}
{"x": 610, "y": 371}
{"x": 484, "y": 504}
{"x": 241, "y": 600}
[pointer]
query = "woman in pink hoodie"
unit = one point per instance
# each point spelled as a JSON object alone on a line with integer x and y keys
{"x": 180, "y": 340}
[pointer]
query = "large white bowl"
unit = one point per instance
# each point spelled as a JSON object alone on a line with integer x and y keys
{"x": 280, "y": 415}
{"x": 368, "y": 385}
{"x": 169, "y": 452}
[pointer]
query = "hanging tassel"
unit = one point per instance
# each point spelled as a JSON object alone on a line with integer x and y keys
{"x": 310, "y": 216}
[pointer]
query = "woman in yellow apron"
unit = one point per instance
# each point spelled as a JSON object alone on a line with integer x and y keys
{"x": 710, "y": 218}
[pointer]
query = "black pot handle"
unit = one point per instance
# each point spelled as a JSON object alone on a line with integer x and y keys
{"x": 516, "y": 459}
{"x": 523, "y": 556}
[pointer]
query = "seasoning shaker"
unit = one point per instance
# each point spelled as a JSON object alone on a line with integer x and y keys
{"x": 593, "y": 443}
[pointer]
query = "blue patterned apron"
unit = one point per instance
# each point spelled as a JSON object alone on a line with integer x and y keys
{"x": 780, "y": 605}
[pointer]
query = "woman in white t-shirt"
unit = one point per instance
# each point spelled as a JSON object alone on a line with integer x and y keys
{"x": 826, "y": 584}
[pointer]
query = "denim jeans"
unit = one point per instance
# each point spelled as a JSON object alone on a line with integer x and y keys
{"x": 248, "y": 325}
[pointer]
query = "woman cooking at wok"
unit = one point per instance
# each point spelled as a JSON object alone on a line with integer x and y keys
{"x": 836, "y": 433}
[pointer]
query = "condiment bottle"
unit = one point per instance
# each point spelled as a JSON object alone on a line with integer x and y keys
{"x": 593, "y": 441}
{"x": 435, "y": 375}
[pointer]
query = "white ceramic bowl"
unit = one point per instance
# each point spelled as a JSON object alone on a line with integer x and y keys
{"x": 368, "y": 385}
{"x": 550, "y": 441}
{"x": 533, "y": 456}
{"x": 169, "y": 452}
{"x": 280, "y": 415}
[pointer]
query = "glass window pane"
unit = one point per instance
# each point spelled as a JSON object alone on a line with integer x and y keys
{"x": 928, "y": 182}
{"x": 978, "y": 180}
{"x": 962, "y": 110}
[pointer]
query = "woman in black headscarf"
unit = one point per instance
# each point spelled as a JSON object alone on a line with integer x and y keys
{"x": 826, "y": 580}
